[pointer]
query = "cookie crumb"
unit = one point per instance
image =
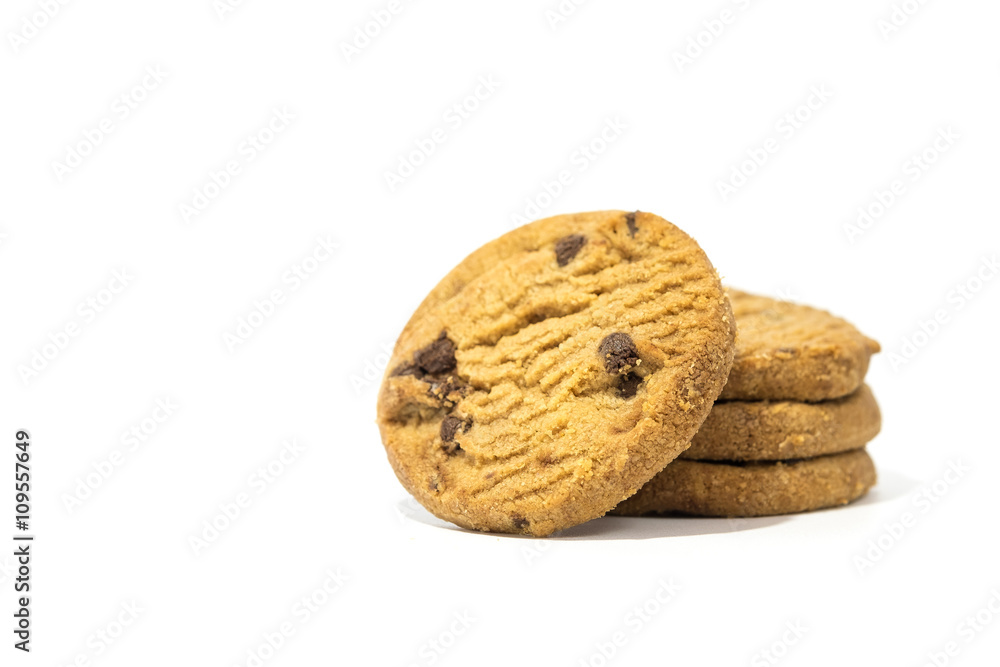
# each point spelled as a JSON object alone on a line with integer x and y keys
{"x": 448, "y": 392}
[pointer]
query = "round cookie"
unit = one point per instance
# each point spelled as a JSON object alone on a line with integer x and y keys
{"x": 780, "y": 430}
{"x": 788, "y": 351}
{"x": 704, "y": 488}
{"x": 555, "y": 370}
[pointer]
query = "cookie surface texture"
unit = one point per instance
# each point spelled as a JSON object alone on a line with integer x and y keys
{"x": 779, "y": 430}
{"x": 788, "y": 351}
{"x": 704, "y": 488}
{"x": 555, "y": 370}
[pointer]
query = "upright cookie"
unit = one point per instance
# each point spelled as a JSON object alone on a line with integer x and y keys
{"x": 787, "y": 351}
{"x": 555, "y": 370}
{"x": 778, "y": 430}
{"x": 754, "y": 489}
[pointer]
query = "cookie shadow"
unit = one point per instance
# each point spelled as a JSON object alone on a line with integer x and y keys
{"x": 891, "y": 487}
{"x": 655, "y": 527}
{"x": 610, "y": 527}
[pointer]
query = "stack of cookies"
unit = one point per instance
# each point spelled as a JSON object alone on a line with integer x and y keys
{"x": 559, "y": 369}
{"x": 789, "y": 429}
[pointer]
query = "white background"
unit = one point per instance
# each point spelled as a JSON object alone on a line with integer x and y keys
{"x": 305, "y": 372}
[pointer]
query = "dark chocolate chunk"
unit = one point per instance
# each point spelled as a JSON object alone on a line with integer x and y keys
{"x": 438, "y": 357}
{"x": 449, "y": 427}
{"x": 519, "y": 522}
{"x": 619, "y": 353}
{"x": 630, "y": 221}
{"x": 567, "y": 247}
{"x": 629, "y": 385}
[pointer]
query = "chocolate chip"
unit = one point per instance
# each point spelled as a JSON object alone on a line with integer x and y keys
{"x": 619, "y": 353}
{"x": 450, "y": 425}
{"x": 567, "y": 247}
{"x": 519, "y": 522}
{"x": 629, "y": 385}
{"x": 630, "y": 221}
{"x": 438, "y": 357}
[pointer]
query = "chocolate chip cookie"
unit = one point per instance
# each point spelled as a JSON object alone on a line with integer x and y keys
{"x": 776, "y": 430}
{"x": 788, "y": 351}
{"x": 754, "y": 489}
{"x": 555, "y": 370}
